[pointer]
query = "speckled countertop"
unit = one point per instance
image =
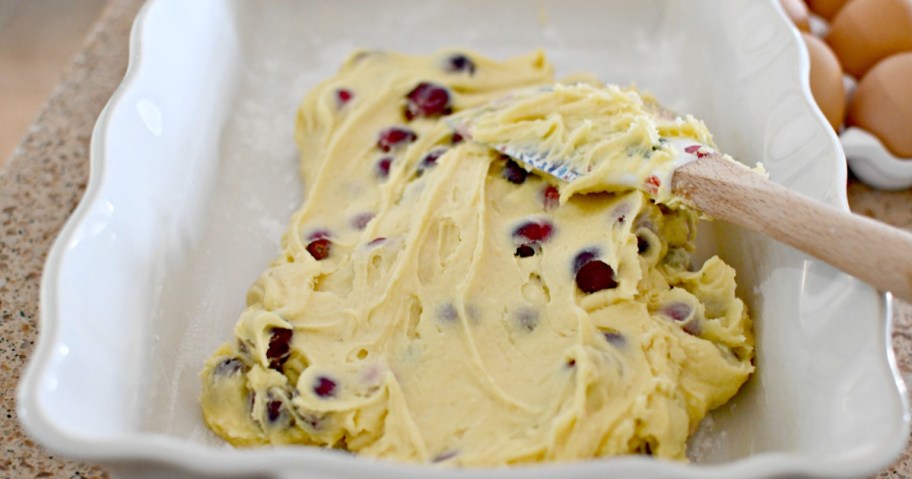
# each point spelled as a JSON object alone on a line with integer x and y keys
{"x": 47, "y": 175}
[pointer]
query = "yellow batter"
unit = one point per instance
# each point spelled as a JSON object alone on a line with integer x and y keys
{"x": 610, "y": 139}
{"x": 433, "y": 302}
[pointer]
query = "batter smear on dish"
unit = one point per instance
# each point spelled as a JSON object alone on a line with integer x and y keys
{"x": 435, "y": 302}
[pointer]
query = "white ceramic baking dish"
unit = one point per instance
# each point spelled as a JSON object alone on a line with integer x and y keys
{"x": 194, "y": 177}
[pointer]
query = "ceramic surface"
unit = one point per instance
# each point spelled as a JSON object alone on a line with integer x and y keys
{"x": 194, "y": 177}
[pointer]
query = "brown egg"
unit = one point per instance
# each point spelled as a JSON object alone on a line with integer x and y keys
{"x": 882, "y": 104}
{"x": 798, "y": 12}
{"x": 826, "y": 8}
{"x": 866, "y": 31}
{"x": 826, "y": 80}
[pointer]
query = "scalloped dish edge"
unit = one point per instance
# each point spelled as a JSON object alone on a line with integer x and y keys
{"x": 168, "y": 451}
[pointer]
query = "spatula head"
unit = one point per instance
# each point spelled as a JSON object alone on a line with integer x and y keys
{"x": 540, "y": 161}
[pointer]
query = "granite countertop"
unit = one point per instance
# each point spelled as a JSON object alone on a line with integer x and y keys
{"x": 47, "y": 175}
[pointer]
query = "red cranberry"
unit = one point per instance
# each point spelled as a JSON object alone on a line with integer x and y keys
{"x": 696, "y": 150}
{"x": 524, "y": 251}
{"x": 427, "y": 100}
{"x": 456, "y": 139}
{"x": 324, "y": 387}
{"x": 318, "y": 234}
{"x": 319, "y": 248}
{"x": 677, "y": 311}
{"x": 395, "y": 137}
{"x": 448, "y": 312}
{"x": 383, "y": 166}
{"x": 652, "y": 184}
{"x": 431, "y": 159}
{"x": 621, "y": 212}
{"x": 514, "y": 173}
{"x": 460, "y": 63}
{"x": 693, "y": 327}
{"x": 279, "y": 347}
{"x": 642, "y": 244}
{"x": 360, "y": 221}
{"x": 551, "y": 197}
{"x": 274, "y": 410}
{"x": 584, "y": 257}
{"x": 530, "y": 235}
{"x": 527, "y": 319}
{"x": 534, "y": 231}
{"x": 615, "y": 338}
{"x": 595, "y": 276}
{"x": 343, "y": 96}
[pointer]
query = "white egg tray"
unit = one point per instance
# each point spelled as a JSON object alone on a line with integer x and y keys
{"x": 866, "y": 155}
{"x": 872, "y": 163}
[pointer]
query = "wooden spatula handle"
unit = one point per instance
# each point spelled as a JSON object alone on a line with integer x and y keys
{"x": 876, "y": 253}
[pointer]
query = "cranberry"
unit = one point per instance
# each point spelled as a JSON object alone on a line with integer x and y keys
{"x": 696, "y": 150}
{"x": 427, "y": 100}
{"x": 343, "y": 96}
{"x": 642, "y": 244}
{"x": 456, "y": 139}
{"x": 530, "y": 235}
{"x": 279, "y": 347}
{"x": 359, "y": 222}
{"x": 693, "y": 327}
{"x": 431, "y": 159}
{"x": 534, "y": 231}
{"x": 319, "y": 248}
{"x": 584, "y": 257}
{"x": 395, "y": 137}
{"x": 460, "y": 63}
{"x": 527, "y": 319}
{"x": 621, "y": 212}
{"x": 677, "y": 311}
{"x": 514, "y": 173}
{"x": 551, "y": 197}
{"x": 524, "y": 251}
{"x": 229, "y": 367}
{"x": 274, "y": 410}
{"x": 324, "y": 387}
{"x": 652, "y": 184}
{"x": 595, "y": 276}
{"x": 318, "y": 234}
{"x": 448, "y": 312}
{"x": 383, "y": 166}
{"x": 615, "y": 338}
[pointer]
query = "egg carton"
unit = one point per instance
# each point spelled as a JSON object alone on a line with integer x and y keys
{"x": 866, "y": 155}
{"x": 872, "y": 163}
